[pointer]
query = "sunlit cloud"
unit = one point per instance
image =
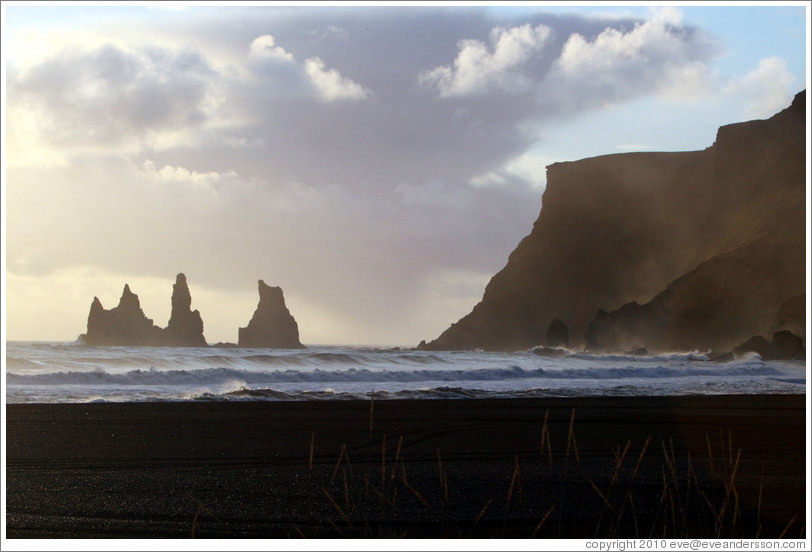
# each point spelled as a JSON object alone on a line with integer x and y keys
{"x": 656, "y": 56}
{"x": 767, "y": 88}
{"x": 264, "y": 47}
{"x": 479, "y": 69}
{"x": 330, "y": 85}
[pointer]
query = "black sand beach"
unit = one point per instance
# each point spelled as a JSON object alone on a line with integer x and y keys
{"x": 707, "y": 466}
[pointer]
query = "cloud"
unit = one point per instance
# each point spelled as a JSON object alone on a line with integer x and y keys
{"x": 330, "y": 85}
{"x": 327, "y": 85}
{"x": 657, "y": 56}
{"x": 766, "y": 89}
{"x": 479, "y": 70}
{"x": 112, "y": 97}
{"x": 264, "y": 47}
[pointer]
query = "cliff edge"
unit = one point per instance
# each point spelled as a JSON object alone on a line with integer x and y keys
{"x": 667, "y": 251}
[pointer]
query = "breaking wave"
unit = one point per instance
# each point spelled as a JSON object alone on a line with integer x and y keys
{"x": 38, "y": 372}
{"x": 224, "y": 375}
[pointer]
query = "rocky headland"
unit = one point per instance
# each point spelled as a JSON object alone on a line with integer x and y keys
{"x": 659, "y": 251}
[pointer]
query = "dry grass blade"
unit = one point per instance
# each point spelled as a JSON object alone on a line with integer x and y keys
{"x": 412, "y": 489}
{"x": 397, "y": 456}
{"x": 382, "y": 496}
{"x": 514, "y": 481}
{"x": 337, "y": 507}
{"x": 784, "y": 532}
{"x": 634, "y": 513}
{"x": 545, "y": 438}
{"x": 541, "y": 523}
{"x": 640, "y": 457}
{"x": 194, "y": 523}
{"x": 342, "y": 454}
{"x": 600, "y": 494}
{"x": 441, "y": 474}
{"x": 571, "y": 439}
{"x": 619, "y": 463}
{"x": 731, "y": 490}
{"x": 482, "y": 511}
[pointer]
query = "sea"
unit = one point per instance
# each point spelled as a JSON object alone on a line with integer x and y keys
{"x": 50, "y": 372}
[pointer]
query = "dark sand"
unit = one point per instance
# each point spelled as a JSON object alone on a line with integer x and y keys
{"x": 631, "y": 467}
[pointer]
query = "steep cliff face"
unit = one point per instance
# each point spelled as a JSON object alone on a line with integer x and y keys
{"x": 124, "y": 325}
{"x": 672, "y": 250}
{"x": 272, "y": 325}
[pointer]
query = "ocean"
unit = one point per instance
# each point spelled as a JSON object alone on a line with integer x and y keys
{"x": 48, "y": 372}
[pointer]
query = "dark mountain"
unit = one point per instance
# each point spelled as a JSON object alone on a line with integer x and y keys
{"x": 667, "y": 251}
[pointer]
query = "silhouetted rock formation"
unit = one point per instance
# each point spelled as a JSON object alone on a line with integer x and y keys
{"x": 272, "y": 325}
{"x": 785, "y": 346}
{"x": 185, "y": 327}
{"x": 124, "y": 325}
{"x": 557, "y": 334}
{"x": 127, "y": 325}
{"x": 673, "y": 251}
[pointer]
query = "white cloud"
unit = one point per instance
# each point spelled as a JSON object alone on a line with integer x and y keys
{"x": 327, "y": 85}
{"x": 264, "y": 47}
{"x": 657, "y": 56}
{"x": 113, "y": 98}
{"x": 330, "y": 85}
{"x": 478, "y": 69}
{"x": 182, "y": 175}
{"x": 766, "y": 89}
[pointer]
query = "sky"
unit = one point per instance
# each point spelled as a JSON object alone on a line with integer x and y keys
{"x": 377, "y": 162}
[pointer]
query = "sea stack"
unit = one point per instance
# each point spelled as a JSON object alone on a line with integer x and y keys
{"x": 557, "y": 334}
{"x": 185, "y": 327}
{"x": 272, "y": 325}
{"x": 124, "y": 325}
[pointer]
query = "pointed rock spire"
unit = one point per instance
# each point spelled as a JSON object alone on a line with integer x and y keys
{"x": 272, "y": 325}
{"x": 125, "y": 324}
{"x": 185, "y": 327}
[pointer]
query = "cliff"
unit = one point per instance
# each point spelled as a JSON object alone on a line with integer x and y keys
{"x": 272, "y": 325}
{"x": 668, "y": 251}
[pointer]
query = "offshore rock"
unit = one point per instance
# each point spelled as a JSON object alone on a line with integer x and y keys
{"x": 185, "y": 327}
{"x": 785, "y": 346}
{"x": 127, "y": 325}
{"x": 688, "y": 251}
{"x": 756, "y": 344}
{"x": 272, "y": 325}
{"x": 557, "y": 334}
{"x": 124, "y": 325}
